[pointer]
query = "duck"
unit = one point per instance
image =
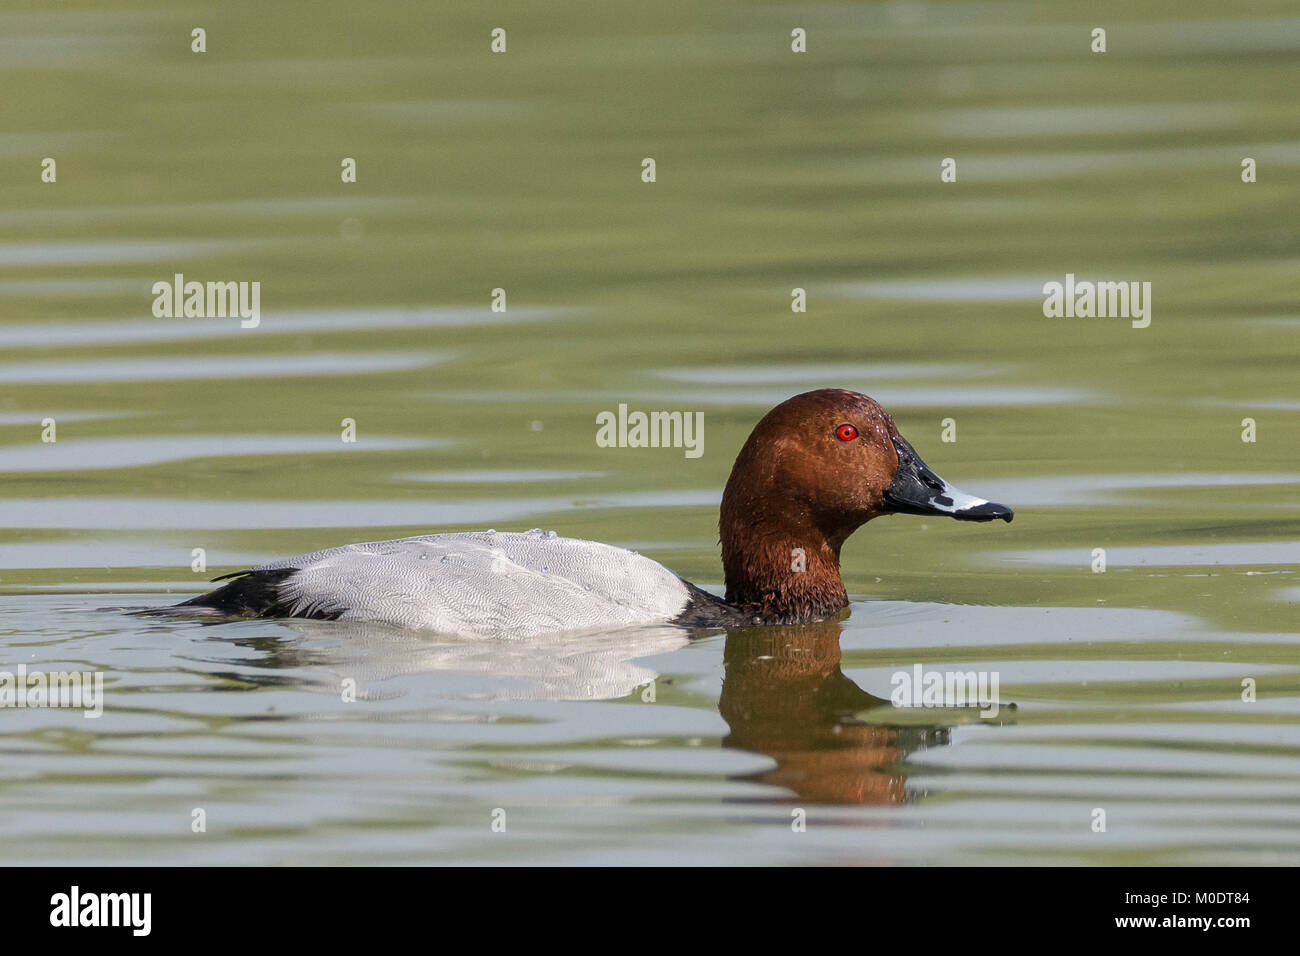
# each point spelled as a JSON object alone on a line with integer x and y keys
{"x": 814, "y": 469}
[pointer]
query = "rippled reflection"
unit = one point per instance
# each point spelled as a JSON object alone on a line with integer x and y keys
{"x": 785, "y": 696}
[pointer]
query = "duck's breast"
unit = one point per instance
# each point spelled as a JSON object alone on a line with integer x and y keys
{"x": 496, "y": 584}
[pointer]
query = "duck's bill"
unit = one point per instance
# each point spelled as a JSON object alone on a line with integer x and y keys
{"x": 916, "y": 490}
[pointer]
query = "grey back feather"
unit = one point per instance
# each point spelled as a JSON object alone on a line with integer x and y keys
{"x": 485, "y": 583}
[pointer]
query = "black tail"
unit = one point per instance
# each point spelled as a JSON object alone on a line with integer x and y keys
{"x": 249, "y": 594}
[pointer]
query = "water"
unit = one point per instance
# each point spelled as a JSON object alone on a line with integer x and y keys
{"x": 775, "y": 170}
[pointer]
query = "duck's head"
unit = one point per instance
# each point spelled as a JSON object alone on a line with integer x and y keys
{"x": 815, "y": 469}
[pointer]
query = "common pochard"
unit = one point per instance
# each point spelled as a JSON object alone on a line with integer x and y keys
{"x": 815, "y": 469}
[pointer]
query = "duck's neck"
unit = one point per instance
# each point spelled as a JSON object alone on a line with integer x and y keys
{"x": 781, "y": 567}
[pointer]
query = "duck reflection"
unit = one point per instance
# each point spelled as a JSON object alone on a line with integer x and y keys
{"x": 576, "y": 666}
{"x": 785, "y": 696}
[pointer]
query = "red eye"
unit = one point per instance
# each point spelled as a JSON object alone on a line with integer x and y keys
{"x": 846, "y": 433}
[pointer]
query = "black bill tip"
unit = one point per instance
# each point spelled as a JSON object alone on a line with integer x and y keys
{"x": 988, "y": 511}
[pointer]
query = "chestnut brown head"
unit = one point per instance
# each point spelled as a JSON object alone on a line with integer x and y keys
{"x": 814, "y": 469}
{"x": 826, "y": 456}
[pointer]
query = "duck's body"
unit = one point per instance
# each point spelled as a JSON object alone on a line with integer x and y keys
{"x": 483, "y": 583}
{"x": 814, "y": 469}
